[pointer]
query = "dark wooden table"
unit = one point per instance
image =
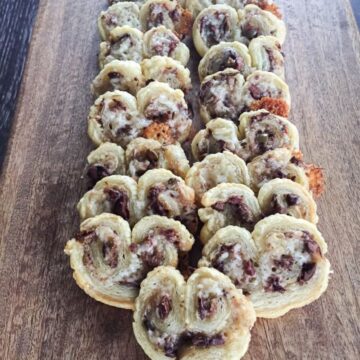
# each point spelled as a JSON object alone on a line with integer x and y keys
{"x": 43, "y": 314}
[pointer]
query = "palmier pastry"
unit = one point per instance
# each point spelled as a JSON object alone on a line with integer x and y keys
{"x": 265, "y": 90}
{"x": 280, "y": 266}
{"x": 203, "y": 318}
{"x": 114, "y": 117}
{"x": 167, "y": 110}
{"x": 261, "y": 131}
{"x": 160, "y": 192}
{"x": 226, "y": 55}
{"x": 114, "y": 194}
{"x": 233, "y": 252}
{"x": 213, "y": 25}
{"x": 221, "y": 95}
{"x": 218, "y": 136}
{"x": 162, "y": 41}
{"x": 228, "y": 204}
{"x": 120, "y": 14}
{"x": 282, "y": 163}
{"x": 167, "y": 13}
{"x": 146, "y": 154}
{"x": 109, "y": 261}
{"x": 107, "y": 159}
{"x": 216, "y": 169}
{"x": 124, "y": 43}
{"x": 284, "y": 196}
{"x": 166, "y": 70}
{"x": 118, "y": 75}
{"x": 266, "y": 55}
{"x": 195, "y": 6}
{"x": 255, "y": 22}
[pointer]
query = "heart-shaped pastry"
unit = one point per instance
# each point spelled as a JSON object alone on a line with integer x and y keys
{"x": 109, "y": 260}
{"x": 203, "y": 318}
{"x": 140, "y": 156}
{"x": 258, "y": 132}
{"x": 158, "y": 192}
{"x": 280, "y": 266}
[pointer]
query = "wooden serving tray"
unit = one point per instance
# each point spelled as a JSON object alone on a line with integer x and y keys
{"x": 43, "y": 314}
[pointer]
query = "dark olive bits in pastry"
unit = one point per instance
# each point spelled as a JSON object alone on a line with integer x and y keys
{"x": 167, "y": 13}
{"x": 228, "y": 204}
{"x": 120, "y": 14}
{"x": 110, "y": 261}
{"x": 280, "y": 266}
{"x": 260, "y": 131}
{"x": 226, "y": 55}
{"x": 203, "y": 318}
{"x": 216, "y": 169}
{"x": 220, "y": 95}
{"x": 163, "y": 193}
{"x": 282, "y": 163}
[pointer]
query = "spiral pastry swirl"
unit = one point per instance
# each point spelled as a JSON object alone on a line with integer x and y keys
{"x": 158, "y": 112}
{"x": 283, "y": 163}
{"x": 228, "y": 204}
{"x": 284, "y": 196}
{"x": 162, "y": 41}
{"x": 140, "y": 155}
{"x": 218, "y": 136}
{"x": 119, "y": 14}
{"x": 265, "y": 90}
{"x": 226, "y": 55}
{"x": 266, "y": 55}
{"x": 280, "y": 266}
{"x": 221, "y": 95}
{"x": 110, "y": 261}
{"x": 216, "y": 169}
{"x": 166, "y": 13}
{"x": 261, "y": 131}
{"x": 203, "y": 318}
{"x": 161, "y": 192}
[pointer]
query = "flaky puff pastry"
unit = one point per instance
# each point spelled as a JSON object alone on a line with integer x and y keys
{"x": 196, "y": 6}
{"x": 260, "y": 131}
{"x": 226, "y": 55}
{"x": 220, "y": 95}
{"x": 164, "y": 42}
{"x": 265, "y": 90}
{"x": 216, "y": 169}
{"x": 266, "y": 55}
{"x": 161, "y": 192}
{"x": 255, "y": 22}
{"x": 146, "y": 154}
{"x": 166, "y": 108}
{"x": 140, "y": 155}
{"x": 114, "y": 117}
{"x": 114, "y": 194}
{"x": 109, "y": 261}
{"x": 213, "y": 25}
{"x": 203, "y": 318}
{"x": 119, "y": 75}
{"x": 107, "y": 159}
{"x": 281, "y": 163}
{"x": 166, "y": 70}
{"x": 119, "y": 14}
{"x": 218, "y": 136}
{"x": 287, "y": 197}
{"x": 167, "y": 13}
{"x": 280, "y": 266}
{"x": 228, "y": 204}
{"x": 123, "y": 43}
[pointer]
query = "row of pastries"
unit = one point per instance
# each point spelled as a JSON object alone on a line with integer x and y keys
{"x": 247, "y": 198}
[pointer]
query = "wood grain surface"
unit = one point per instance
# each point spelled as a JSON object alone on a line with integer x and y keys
{"x": 43, "y": 314}
{"x": 16, "y": 22}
